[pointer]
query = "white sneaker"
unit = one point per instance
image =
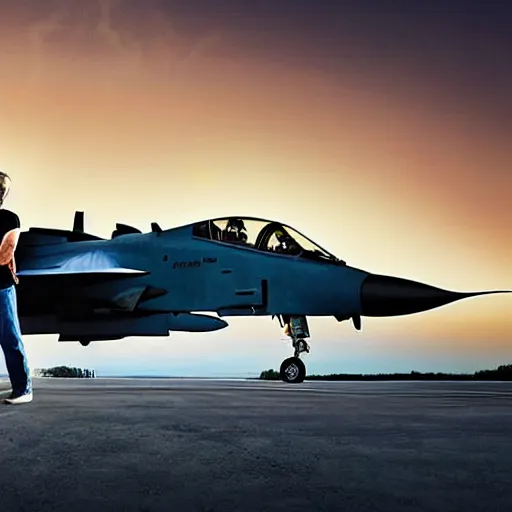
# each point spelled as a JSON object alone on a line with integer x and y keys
{"x": 23, "y": 399}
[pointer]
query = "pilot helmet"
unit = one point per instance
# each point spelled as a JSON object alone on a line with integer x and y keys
{"x": 5, "y": 185}
{"x": 237, "y": 224}
{"x": 281, "y": 235}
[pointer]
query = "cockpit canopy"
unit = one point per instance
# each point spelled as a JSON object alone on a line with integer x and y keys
{"x": 263, "y": 235}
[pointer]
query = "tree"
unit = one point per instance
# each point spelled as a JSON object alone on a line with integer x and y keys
{"x": 269, "y": 375}
{"x": 66, "y": 372}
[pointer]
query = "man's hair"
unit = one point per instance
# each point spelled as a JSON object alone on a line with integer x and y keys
{"x": 3, "y": 191}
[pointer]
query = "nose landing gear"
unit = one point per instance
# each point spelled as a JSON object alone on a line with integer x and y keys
{"x": 293, "y": 370}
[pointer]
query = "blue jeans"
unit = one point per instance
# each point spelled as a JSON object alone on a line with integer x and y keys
{"x": 12, "y": 344}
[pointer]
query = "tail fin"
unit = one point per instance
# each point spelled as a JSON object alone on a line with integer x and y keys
{"x": 78, "y": 222}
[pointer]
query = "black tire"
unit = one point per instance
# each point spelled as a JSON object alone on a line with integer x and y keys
{"x": 293, "y": 371}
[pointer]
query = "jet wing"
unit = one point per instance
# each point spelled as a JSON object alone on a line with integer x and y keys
{"x": 79, "y": 282}
{"x": 93, "y": 267}
{"x": 60, "y": 271}
{"x": 48, "y": 290}
{"x": 59, "y": 278}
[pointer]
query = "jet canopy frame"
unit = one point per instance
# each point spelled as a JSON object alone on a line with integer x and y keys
{"x": 262, "y": 235}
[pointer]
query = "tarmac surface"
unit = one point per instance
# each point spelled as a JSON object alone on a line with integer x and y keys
{"x": 220, "y": 445}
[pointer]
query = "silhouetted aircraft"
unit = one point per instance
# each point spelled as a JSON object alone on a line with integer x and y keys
{"x": 86, "y": 288}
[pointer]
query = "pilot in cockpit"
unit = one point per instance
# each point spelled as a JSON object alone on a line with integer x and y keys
{"x": 234, "y": 231}
{"x": 287, "y": 244}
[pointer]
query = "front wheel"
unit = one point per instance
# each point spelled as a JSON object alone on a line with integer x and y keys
{"x": 293, "y": 370}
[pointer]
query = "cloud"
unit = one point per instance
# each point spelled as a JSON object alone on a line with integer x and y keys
{"x": 108, "y": 41}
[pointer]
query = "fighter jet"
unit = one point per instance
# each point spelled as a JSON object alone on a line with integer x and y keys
{"x": 189, "y": 278}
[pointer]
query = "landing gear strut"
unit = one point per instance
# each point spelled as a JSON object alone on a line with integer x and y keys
{"x": 293, "y": 370}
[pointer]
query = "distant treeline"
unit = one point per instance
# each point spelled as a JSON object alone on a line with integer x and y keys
{"x": 67, "y": 372}
{"x": 503, "y": 372}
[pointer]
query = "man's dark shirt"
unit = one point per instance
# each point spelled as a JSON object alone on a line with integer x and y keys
{"x": 8, "y": 221}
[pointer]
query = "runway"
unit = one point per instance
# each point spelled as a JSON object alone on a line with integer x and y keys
{"x": 228, "y": 445}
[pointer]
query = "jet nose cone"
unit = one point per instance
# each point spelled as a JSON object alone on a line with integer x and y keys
{"x": 394, "y": 296}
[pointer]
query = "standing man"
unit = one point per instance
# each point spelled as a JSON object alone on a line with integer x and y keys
{"x": 10, "y": 332}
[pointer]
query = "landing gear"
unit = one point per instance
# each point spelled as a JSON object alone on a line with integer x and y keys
{"x": 300, "y": 346}
{"x": 84, "y": 343}
{"x": 293, "y": 370}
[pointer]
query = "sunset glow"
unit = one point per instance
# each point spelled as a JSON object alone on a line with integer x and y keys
{"x": 395, "y": 157}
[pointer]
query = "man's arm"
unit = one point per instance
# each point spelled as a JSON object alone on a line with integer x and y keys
{"x": 8, "y": 246}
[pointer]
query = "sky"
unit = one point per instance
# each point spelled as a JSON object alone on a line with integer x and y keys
{"x": 379, "y": 129}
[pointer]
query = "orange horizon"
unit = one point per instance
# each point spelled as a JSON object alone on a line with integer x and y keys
{"x": 177, "y": 130}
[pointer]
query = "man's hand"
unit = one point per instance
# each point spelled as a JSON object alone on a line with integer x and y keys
{"x": 12, "y": 268}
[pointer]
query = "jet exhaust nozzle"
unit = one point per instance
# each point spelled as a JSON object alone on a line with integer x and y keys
{"x": 394, "y": 296}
